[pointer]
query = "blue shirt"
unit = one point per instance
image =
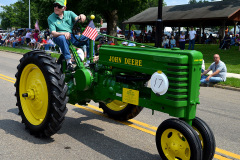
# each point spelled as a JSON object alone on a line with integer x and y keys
{"x": 131, "y": 33}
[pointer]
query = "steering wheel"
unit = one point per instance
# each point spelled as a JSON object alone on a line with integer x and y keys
{"x": 77, "y": 28}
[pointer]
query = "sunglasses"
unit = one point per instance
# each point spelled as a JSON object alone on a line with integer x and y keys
{"x": 57, "y": 5}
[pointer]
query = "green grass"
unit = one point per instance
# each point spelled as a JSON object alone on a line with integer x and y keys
{"x": 18, "y": 50}
{"x": 234, "y": 82}
{"x": 23, "y": 51}
{"x": 230, "y": 57}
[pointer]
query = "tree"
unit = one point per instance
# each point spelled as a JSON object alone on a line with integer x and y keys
{"x": 112, "y": 11}
{"x": 16, "y": 15}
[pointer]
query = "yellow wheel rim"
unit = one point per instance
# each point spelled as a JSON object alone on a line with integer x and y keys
{"x": 35, "y": 104}
{"x": 199, "y": 135}
{"x": 174, "y": 145}
{"x": 117, "y": 105}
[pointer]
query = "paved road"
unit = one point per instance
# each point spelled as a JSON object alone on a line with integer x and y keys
{"x": 87, "y": 134}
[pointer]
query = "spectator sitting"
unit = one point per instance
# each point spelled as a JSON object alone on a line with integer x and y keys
{"x": 2, "y": 40}
{"x": 7, "y": 40}
{"x": 49, "y": 43}
{"x": 38, "y": 42}
{"x": 17, "y": 42}
{"x": 32, "y": 42}
{"x": 172, "y": 42}
{"x": 165, "y": 42}
{"x": 13, "y": 39}
{"x": 219, "y": 70}
{"x": 40, "y": 45}
{"x": 225, "y": 43}
{"x": 210, "y": 39}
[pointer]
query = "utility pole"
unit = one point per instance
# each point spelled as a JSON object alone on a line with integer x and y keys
{"x": 159, "y": 29}
{"x": 29, "y": 16}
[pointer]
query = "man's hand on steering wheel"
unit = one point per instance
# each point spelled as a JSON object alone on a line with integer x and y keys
{"x": 67, "y": 35}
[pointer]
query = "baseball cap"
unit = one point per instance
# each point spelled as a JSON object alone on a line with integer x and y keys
{"x": 61, "y": 2}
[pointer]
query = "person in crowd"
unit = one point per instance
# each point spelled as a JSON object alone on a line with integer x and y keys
{"x": 204, "y": 38}
{"x": 35, "y": 35}
{"x": 39, "y": 41}
{"x": 172, "y": 42}
{"x": 28, "y": 36}
{"x": 153, "y": 35}
{"x": 132, "y": 35}
{"x": 41, "y": 44}
{"x": 49, "y": 43}
{"x": 165, "y": 42}
{"x": 3, "y": 40}
{"x": 7, "y": 40}
{"x": 209, "y": 39}
{"x": 24, "y": 32}
{"x": 17, "y": 41}
{"x": 182, "y": 41}
{"x": 237, "y": 41}
{"x": 62, "y": 33}
{"x": 192, "y": 37}
{"x": 32, "y": 42}
{"x": 149, "y": 36}
{"x": 1, "y": 36}
{"x": 233, "y": 39}
{"x": 219, "y": 72}
{"x": 13, "y": 39}
{"x": 225, "y": 43}
{"x": 46, "y": 33}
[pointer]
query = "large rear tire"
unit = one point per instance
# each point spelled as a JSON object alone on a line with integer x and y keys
{"x": 41, "y": 93}
{"x": 120, "y": 111}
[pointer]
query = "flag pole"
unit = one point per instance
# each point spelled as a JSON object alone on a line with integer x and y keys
{"x": 29, "y": 16}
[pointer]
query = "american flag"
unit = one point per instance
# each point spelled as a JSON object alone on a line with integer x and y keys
{"x": 90, "y": 31}
{"x": 37, "y": 26}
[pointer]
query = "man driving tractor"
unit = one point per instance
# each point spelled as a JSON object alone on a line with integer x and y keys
{"x": 60, "y": 24}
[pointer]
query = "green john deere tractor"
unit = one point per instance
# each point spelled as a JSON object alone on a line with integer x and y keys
{"x": 123, "y": 81}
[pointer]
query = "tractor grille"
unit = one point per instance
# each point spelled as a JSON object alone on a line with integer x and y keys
{"x": 178, "y": 82}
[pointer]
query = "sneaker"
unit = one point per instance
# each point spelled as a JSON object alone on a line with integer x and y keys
{"x": 70, "y": 67}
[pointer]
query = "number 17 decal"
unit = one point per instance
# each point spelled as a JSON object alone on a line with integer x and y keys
{"x": 158, "y": 81}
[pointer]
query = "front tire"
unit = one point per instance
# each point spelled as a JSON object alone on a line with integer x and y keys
{"x": 41, "y": 93}
{"x": 206, "y": 137}
{"x": 176, "y": 140}
{"x": 119, "y": 110}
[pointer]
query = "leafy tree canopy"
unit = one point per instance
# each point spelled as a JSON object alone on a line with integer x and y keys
{"x": 112, "y": 11}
